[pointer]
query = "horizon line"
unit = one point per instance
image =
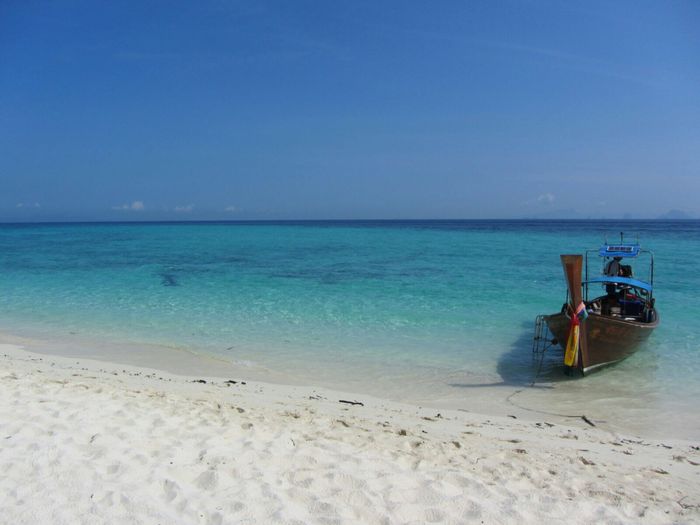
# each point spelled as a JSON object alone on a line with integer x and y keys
{"x": 249, "y": 221}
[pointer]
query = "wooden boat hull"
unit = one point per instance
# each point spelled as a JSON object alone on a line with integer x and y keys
{"x": 609, "y": 339}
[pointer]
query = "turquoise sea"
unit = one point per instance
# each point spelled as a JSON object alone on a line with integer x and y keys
{"x": 434, "y": 312}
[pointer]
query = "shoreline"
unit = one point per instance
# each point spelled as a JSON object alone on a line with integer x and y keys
{"x": 600, "y": 399}
{"x": 141, "y": 444}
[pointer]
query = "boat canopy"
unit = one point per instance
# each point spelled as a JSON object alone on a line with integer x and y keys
{"x": 619, "y": 250}
{"x": 608, "y": 279}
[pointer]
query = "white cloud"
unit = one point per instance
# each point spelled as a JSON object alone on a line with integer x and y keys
{"x": 184, "y": 209}
{"x": 546, "y": 197}
{"x": 20, "y": 205}
{"x": 134, "y": 206}
{"x": 230, "y": 209}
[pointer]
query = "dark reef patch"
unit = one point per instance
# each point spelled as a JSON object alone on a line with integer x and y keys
{"x": 168, "y": 279}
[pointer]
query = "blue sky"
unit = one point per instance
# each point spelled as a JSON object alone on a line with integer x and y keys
{"x": 271, "y": 110}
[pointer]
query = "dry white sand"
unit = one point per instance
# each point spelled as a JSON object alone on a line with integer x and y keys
{"x": 85, "y": 441}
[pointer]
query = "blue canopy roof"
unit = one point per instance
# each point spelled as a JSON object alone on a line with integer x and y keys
{"x": 607, "y": 279}
{"x": 619, "y": 250}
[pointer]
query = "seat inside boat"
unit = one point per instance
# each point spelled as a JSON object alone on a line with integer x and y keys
{"x": 620, "y": 303}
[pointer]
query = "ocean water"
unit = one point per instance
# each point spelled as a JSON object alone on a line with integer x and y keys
{"x": 434, "y": 312}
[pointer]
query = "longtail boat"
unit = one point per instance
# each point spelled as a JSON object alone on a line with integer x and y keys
{"x": 602, "y": 330}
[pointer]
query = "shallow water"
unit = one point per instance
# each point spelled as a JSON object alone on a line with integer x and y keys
{"x": 435, "y": 312}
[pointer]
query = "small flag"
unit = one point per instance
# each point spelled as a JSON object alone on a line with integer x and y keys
{"x": 581, "y": 312}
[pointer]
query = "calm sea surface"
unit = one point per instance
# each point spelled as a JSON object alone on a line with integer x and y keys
{"x": 434, "y": 311}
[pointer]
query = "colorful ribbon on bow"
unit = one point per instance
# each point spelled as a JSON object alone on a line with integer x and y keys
{"x": 572, "y": 344}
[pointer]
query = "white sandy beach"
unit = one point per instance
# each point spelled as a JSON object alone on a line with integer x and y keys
{"x": 86, "y": 441}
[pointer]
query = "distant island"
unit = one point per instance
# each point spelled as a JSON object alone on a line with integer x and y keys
{"x": 676, "y": 215}
{"x": 562, "y": 214}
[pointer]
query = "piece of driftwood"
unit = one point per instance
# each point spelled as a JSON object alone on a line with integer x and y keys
{"x": 588, "y": 420}
{"x": 350, "y": 402}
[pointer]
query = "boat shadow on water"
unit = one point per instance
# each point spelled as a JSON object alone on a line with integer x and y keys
{"x": 520, "y": 367}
